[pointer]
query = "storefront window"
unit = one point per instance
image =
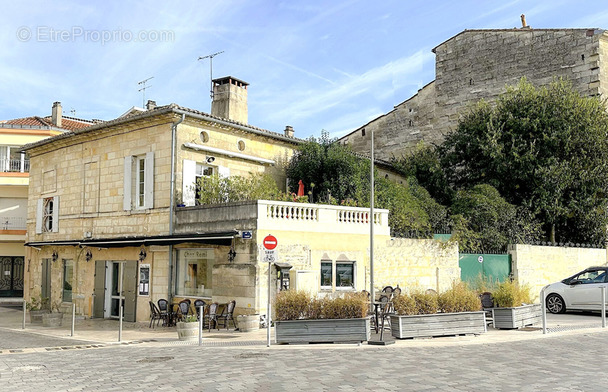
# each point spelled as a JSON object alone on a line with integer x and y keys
{"x": 194, "y": 272}
{"x": 68, "y": 279}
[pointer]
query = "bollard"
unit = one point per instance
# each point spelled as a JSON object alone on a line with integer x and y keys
{"x": 603, "y": 289}
{"x": 120, "y": 322}
{"x": 543, "y": 306}
{"x": 200, "y": 325}
{"x": 24, "y": 311}
{"x": 73, "y": 318}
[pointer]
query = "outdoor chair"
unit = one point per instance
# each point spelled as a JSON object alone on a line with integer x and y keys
{"x": 227, "y": 315}
{"x": 385, "y": 311}
{"x": 165, "y": 313}
{"x": 197, "y": 306}
{"x": 396, "y": 291}
{"x": 211, "y": 316}
{"x": 154, "y": 315}
{"x": 184, "y": 309}
{"x": 487, "y": 303}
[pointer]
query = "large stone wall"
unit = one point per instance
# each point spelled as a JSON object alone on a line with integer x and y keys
{"x": 478, "y": 64}
{"x": 539, "y": 266}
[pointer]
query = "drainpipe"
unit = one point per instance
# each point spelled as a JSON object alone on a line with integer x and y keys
{"x": 172, "y": 201}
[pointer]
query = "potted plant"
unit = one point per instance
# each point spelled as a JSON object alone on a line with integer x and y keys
{"x": 301, "y": 318}
{"x": 54, "y": 317}
{"x": 187, "y": 328}
{"x": 514, "y": 307}
{"x": 37, "y": 307}
{"x": 456, "y": 311}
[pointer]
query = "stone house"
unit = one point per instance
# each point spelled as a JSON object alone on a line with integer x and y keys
{"x": 14, "y": 180}
{"x": 112, "y": 218}
{"x": 479, "y": 64}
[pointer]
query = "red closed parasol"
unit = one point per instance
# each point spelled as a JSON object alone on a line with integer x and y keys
{"x": 300, "y": 188}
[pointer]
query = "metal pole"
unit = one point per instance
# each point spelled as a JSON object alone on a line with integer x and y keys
{"x": 371, "y": 225}
{"x": 200, "y": 325}
{"x": 268, "y": 315}
{"x": 73, "y": 318}
{"x": 24, "y": 311}
{"x": 120, "y": 308}
{"x": 543, "y": 306}
{"x": 603, "y": 288}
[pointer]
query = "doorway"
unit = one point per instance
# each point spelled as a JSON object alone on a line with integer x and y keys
{"x": 111, "y": 291}
{"x": 11, "y": 276}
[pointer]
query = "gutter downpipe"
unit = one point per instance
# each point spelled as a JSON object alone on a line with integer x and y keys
{"x": 172, "y": 201}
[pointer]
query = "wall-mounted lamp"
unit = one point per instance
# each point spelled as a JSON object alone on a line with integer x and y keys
{"x": 231, "y": 254}
{"x": 88, "y": 255}
{"x": 142, "y": 254}
{"x": 54, "y": 256}
{"x": 210, "y": 159}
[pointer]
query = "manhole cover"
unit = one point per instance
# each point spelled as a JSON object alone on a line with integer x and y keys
{"x": 155, "y": 359}
{"x": 250, "y": 355}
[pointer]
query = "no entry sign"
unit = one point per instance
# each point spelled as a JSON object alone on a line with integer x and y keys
{"x": 270, "y": 242}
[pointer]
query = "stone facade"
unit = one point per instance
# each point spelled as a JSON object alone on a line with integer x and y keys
{"x": 479, "y": 64}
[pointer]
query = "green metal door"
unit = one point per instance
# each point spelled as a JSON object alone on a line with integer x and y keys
{"x": 489, "y": 267}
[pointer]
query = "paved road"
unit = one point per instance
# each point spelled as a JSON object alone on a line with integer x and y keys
{"x": 556, "y": 362}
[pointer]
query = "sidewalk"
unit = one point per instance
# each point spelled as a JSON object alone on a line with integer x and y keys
{"x": 105, "y": 332}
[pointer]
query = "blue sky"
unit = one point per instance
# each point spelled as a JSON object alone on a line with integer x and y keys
{"x": 310, "y": 64}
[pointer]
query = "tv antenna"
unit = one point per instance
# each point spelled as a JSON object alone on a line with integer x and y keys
{"x": 143, "y": 90}
{"x": 210, "y": 57}
{"x": 73, "y": 112}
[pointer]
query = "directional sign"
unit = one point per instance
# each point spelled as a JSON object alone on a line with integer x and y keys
{"x": 270, "y": 242}
{"x": 246, "y": 235}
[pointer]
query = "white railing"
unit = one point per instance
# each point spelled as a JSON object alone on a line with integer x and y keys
{"x": 12, "y": 223}
{"x": 14, "y": 166}
{"x": 292, "y": 212}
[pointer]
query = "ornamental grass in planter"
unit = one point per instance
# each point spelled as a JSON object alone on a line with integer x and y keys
{"x": 301, "y": 318}
{"x": 456, "y": 311}
{"x": 514, "y": 308}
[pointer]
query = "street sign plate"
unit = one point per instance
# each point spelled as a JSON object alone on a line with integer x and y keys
{"x": 246, "y": 235}
{"x": 270, "y": 242}
{"x": 270, "y": 256}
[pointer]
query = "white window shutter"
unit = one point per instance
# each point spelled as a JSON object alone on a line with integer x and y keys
{"x": 55, "y": 214}
{"x": 223, "y": 172}
{"x": 189, "y": 182}
{"x": 149, "y": 181}
{"x": 128, "y": 164}
{"x": 39, "y": 207}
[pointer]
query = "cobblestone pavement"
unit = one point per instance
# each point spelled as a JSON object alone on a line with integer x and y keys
{"x": 17, "y": 340}
{"x": 564, "y": 362}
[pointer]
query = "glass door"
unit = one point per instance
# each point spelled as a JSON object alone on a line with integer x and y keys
{"x": 114, "y": 296}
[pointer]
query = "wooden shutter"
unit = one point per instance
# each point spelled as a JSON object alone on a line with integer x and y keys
{"x": 128, "y": 164}
{"x": 189, "y": 182}
{"x": 39, "y": 208}
{"x": 223, "y": 172}
{"x": 149, "y": 181}
{"x": 55, "y": 227}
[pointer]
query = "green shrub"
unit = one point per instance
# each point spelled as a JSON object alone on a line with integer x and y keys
{"x": 459, "y": 298}
{"x": 405, "y": 305}
{"x": 511, "y": 294}
{"x": 426, "y": 302}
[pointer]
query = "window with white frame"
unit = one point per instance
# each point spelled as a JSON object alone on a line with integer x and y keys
{"x": 138, "y": 188}
{"x": 192, "y": 172}
{"x": 12, "y": 160}
{"x": 47, "y": 215}
{"x": 345, "y": 275}
{"x": 326, "y": 274}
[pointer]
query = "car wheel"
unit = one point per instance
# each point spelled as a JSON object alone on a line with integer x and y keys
{"x": 555, "y": 304}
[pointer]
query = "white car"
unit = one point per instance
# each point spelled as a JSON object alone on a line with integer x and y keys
{"x": 578, "y": 292}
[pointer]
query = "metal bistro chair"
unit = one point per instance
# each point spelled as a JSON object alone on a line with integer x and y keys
{"x": 184, "y": 309}
{"x": 211, "y": 316}
{"x": 227, "y": 316}
{"x": 197, "y": 306}
{"x": 165, "y": 313}
{"x": 154, "y": 315}
{"x": 385, "y": 309}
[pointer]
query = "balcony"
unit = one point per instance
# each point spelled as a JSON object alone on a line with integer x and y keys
{"x": 14, "y": 165}
{"x": 280, "y": 216}
{"x": 9, "y": 223}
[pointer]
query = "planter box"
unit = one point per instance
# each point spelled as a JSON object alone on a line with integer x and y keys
{"x": 36, "y": 316}
{"x": 438, "y": 324}
{"x": 187, "y": 331}
{"x": 52, "y": 319}
{"x": 521, "y": 316}
{"x": 323, "y": 331}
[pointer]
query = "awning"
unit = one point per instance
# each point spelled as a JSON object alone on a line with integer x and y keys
{"x": 222, "y": 238}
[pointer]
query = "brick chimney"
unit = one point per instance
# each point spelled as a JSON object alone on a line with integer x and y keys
{"x": 56, "y": 114}
{"x": 230, "y": 99}
{"x": 151, "y": 105}
{"x": 288, "y": 131}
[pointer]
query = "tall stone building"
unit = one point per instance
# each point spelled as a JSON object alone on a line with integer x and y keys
{"x": 479, "y": 64}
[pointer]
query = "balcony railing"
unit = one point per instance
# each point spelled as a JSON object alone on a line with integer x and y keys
{"x": 14, "y": 165}
{"x": 12, "y": 223}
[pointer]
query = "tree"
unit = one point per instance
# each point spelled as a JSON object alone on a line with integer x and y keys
{"x": 545, "y": 149}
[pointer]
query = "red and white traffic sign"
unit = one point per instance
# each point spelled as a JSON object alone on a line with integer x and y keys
{"x": 270, "y": 242}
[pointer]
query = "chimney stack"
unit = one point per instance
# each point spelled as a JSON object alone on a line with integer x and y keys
{"x": 56, "y": 114}
{"x": 230, "y": 99}
{"x": 288, "y": 131}
{"x": 151, "y": 105}
{"x": 524, "y": 25}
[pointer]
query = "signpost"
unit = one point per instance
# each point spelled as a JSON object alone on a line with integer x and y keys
{"x": 270, "y": 243}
